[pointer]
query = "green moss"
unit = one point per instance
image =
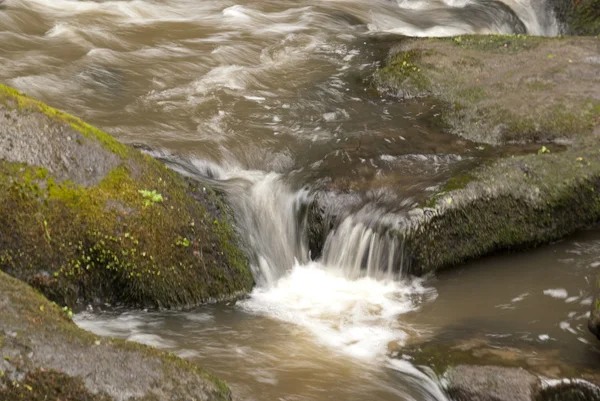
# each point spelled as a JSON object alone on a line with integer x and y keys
{"x": 538, "y": 85}
{"x": 584, "y": 18}
{"x": 404, "y": 71}
{"x": 458, "y": 181}
{"x": 497, "y": 43}
{"x": 108, "y": 243}
{"x": 472, "y": 94}
{"x": 559, "y": 121}
{"x": 486, "y": 95}
{"x": 9, "y": 95}
{"x": 515, "y": 203}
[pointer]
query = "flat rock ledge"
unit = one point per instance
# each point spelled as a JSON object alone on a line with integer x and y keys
{"x": 86, "y": 219}
{"x": 498, "y": 90}
{"x": 44, "y": 355}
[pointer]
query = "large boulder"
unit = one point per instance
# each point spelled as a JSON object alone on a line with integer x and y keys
{"x": 86, "y": 218}
{"x": 44, "y": 355}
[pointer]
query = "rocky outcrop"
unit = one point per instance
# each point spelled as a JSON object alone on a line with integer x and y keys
{"x": 86, "y": 218}
{"x": 577, "y": 17}
{"x": 44, "y": 355}
{"x": 541, "y": 93}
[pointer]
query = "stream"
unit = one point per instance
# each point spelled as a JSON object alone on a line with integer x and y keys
{"x": 271, "y": 102}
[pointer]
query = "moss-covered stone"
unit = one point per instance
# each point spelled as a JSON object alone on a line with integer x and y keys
{"x": 87, "y": 218}
{"x": 502, "y": 88}
{"x": 512, "y": 204}
{"x": 45, "y": 356}
{"x": 577, "y": 17}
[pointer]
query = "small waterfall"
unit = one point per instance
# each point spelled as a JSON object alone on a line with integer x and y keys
{"x": 360, "y": 249}
{"x": 269, "y": 212}
{"x": 272, "y": 217}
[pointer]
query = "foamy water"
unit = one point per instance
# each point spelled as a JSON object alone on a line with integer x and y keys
{"x": 357, "y": 317}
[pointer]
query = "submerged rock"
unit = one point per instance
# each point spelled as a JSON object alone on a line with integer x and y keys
{"x": 86, "y": 218}
{"x": 44, "y": 355}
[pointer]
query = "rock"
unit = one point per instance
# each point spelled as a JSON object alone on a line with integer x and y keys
{"x": 490, "y": 383}
{"x": 580, "y": 17}
{"x": 86, "y": 218}
{"x": 594, "y": 319}
{"x": 569, "y": 390}
{"x": 44, "y": 355}
{"x": 496, "y": 383}
{"x": 503, "y": 89}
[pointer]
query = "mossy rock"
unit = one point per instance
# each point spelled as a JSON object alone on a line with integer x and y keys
{"x": 511, "y": 204}
{"x": 45, "y": 356}
{"x": 499, "y": 89}
{"x": 86, "y": 218}
{"x": 577, "y": 17}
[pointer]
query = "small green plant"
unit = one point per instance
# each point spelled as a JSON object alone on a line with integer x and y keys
{"x": 67, "y": 311}
{"x": 543, "y": 150}
{"x": 150, "y": 197}
{"x": 183, "y": 242}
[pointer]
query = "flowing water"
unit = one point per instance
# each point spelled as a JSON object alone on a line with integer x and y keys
{"x": 318, "y": 336}
{"x": 269, "y": 101}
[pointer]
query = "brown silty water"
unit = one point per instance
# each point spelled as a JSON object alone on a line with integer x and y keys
{"x": 271, "y": 100}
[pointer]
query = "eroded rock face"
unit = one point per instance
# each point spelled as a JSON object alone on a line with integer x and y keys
{"x": 85, "y": 218}
{"x": 44, "y": 354}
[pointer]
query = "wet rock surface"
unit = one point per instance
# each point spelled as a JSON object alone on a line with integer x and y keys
{"x": 500, "y": 89}
{"x": 45, "y": 355}
{"x": 490, "y": 383}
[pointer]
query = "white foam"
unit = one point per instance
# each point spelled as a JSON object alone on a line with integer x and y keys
{"x": 559, "y": 293}
{"x": 359, "y": 318}
{"x": 520, "y": 297}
